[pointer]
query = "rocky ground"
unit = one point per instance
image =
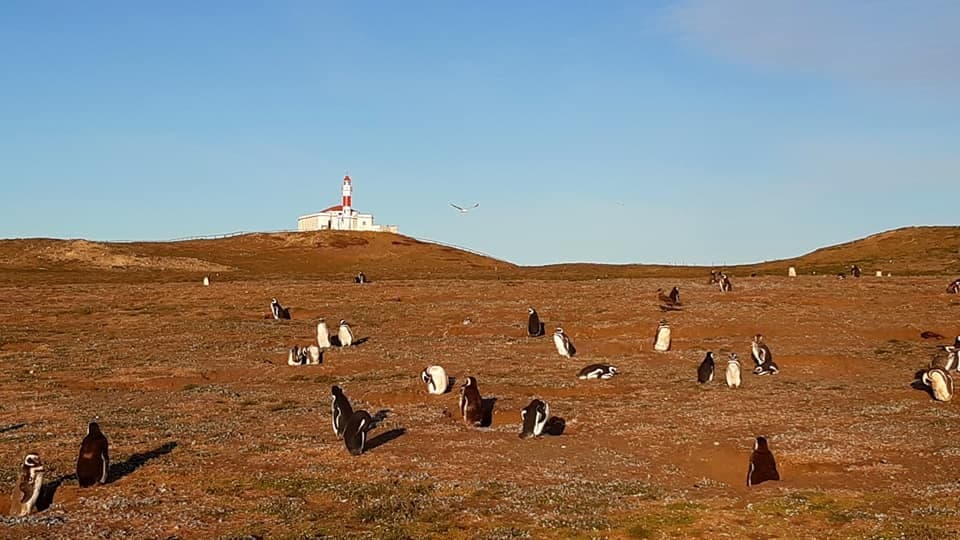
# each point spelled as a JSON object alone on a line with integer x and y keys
{"x": 213, "y": 436}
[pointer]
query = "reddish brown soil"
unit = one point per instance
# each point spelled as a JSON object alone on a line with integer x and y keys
{"x": 213, "y": 435}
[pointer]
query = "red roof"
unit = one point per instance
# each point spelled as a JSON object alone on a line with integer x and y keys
{"x": 336, "y": 208}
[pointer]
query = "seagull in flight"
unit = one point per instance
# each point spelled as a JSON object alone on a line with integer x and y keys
{"x": 463, "y": 210}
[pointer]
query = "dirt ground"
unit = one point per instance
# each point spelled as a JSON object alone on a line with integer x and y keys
{"x": 213, "y": 436}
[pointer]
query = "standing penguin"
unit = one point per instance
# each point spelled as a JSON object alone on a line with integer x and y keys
{"x": 345, "y": 334}
{"x": 706, "y": 369}
{"x": 534, "y": 326}
{"x": 564, "y": 344}
{"x": 940, "y": 383}
{"x": 435, "y": 377}
{"x": 323, "y": 335}
{"x": 342, "y": 411}
{"x": 533, "y": 418}
{"x": 725, "y": 284}
{"x": 355, "y": 432}
{"x": 29, "y": 481}
{"x": 661, "y": 341}
{"x": 471, "y": 404}
{"x": 93, "y": 463}
{"x": 855, "y": 271}
{"x": 313, "y": 355}
{"x": 278, "y": 311}
{"x": 762, "y": 357}
{"x": 954, "y": 288}
{"x": 361, "y": 278}
{"x": 733, "y": 371}
{"x": 297, "y": 356}
{"x": 762, "y": 465}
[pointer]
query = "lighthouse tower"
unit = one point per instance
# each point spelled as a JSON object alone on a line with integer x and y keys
{"x": 347, "y": 192}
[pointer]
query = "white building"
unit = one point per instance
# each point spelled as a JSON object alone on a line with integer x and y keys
{"x": 342, "y": 217}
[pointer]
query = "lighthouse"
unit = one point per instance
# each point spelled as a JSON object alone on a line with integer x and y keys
{"x": 343, "y": 216}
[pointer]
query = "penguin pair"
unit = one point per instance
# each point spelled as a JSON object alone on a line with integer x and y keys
{"x": 661, "y": 340}
{"x": 535, "y": 327}
{"x": 435, "y": 377}
{"x": 762, "y": 357}
{"x": 349, "y": 425}
{"x": 597, "y": 371}
{"x": 563, "y": 343}
{"x": 278, "y": 311}
{"x": 303, "y": 356}
{"x": 940, "y": 383}
{"x": 707, "y": 370}
{"x": 763, "y": 466}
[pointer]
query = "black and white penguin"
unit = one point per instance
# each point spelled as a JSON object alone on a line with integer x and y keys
{"x": 361, "y": 278}
{"x": 435, "y": 377}
{"x": 355, "y": 432}
{"x": 533, "y": 418}
{"x": 597, "y": 371}
{"x": 312, "y": 355}
{"x": 342, "y": 411}
{"x": 706, "y": 369}
{"x": 93, "y": 463}
{"x": 471, "y": 404}
{"x": 954, "y": 288}
{"x": 714, "y": 277}
{"x": 323, "y": 335}
{"x": 534, "y": 326}
{"x": 855, "y": 271}
{"x": 345, "y": 334}
{"x": 762, "y": 357}
{"x": 725, "y": 284}
{"x": 940, "y": 383}
{"x": 29, "y": 482}
{"x": 733, "y": 371}
{"x": 762, "y": 465}
{"x": 278, "y": 311}
{"x": 564, "y": 344}
{"x": 661, "y": 340}
{"x": 297, "y": 356}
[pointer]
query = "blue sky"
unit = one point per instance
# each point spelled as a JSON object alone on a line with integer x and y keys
{"x": 696, "y": 131}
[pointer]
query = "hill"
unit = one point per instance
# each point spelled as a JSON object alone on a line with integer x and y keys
{"x": 341, "y": 254}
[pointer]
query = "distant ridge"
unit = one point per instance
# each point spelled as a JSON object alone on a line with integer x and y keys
{"x": 341, "y": 254}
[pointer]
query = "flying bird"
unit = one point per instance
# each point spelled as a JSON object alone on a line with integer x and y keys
{"x": 463, "y": 210}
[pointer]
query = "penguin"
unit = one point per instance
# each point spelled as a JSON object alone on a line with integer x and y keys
{"x": 661, "y": 341}
{"x": 762, "y": 357}
{"x": 312, "y": 355}
{"x": 342, "y": 411}
{"x": 355, "y": 432}
{"x": 278, "y": 311}
{"x": 763, "y": 466}
{"x": 855, "y": 271}
{"x": 706, "y": 369}
{"x": 714, "y": 277}
{"x": 93, "y": 463}
{"x": 345, "y": 335}
{"x": 533, "y": 418}
{"x": 435, "y": 377}
{"x": 323, "y": 335}
{"x": 940, "y": 383}
{"x": 841, "y": 276}
{"x": 361, "y": 278}
{"x": 733, "y": 371}
{"x": 954, "y": 288}
{"x": 471, "y": 404}
{"x": 564, "y": 345}
{"x": 206, "y": 281}
{"x": 296, "y": 356}
{"x": 597, "y": 371}
{"x": 675, "y": 295}
{"x": 725, "y": 284}
{"x": 534, "y": 326}
{"x": 668, "y": 300}
{"x": 29, "y": 481}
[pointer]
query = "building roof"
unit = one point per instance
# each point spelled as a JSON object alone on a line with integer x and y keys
{"x": 336, "y": 208}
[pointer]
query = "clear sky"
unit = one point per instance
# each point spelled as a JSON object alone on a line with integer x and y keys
{"x": 695, "y": 131}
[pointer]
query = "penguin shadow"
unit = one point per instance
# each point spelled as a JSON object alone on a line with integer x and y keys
{"x": 134, "y": 462}
{"x": 384, "y": 438}
{"x": 451, "y": 384}
{"x": 486, "y": 406}
{"x": 917, "y": 383}
{"x": 335, "y": 341}
{"x": 670, "y": 308}
{"x": 379, "y": 417}
{"x": 555, "y": 426}
{"x": 49, "y": 489}
{"x": 12, "y": 427}
{"x": 573, "y": 350}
